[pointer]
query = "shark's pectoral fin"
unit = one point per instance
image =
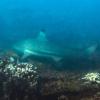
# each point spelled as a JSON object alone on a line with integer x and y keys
{"x": 26, "y": 53}
{"x": 56, "y": 59}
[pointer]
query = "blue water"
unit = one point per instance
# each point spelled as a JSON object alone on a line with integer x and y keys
{"x": 70, "y": 25}
{"x": 66, "y": 22}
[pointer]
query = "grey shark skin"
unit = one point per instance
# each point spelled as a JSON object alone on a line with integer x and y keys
{"x": 41, "y": 47}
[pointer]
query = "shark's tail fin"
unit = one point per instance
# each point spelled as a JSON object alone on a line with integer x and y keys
{"x": 57, "y": 62}
{"x": 91, "y": 49}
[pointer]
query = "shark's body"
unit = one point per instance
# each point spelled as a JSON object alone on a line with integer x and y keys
{"x": 41, "y": 47}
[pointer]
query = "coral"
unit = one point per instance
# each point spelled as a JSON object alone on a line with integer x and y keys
{"x": 92, "y": 77}
{"x": 17, "y": 78}
{"x": 88, "y": 98}
{"x": 63, "y": 97}
{"x": 37, "y": 81}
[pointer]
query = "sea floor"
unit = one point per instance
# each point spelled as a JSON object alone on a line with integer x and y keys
{"x": 35, "y": 80}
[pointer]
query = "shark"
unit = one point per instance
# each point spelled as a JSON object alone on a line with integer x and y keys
{"x": 42, "y": 47}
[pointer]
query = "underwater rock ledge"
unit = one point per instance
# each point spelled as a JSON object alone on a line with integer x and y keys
{"x": 32, "y": 81}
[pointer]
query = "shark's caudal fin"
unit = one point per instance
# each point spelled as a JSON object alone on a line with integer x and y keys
{"x": 42, "y": 36}
{"x": 90, "y": 50}
{"x": 56, "y": 59}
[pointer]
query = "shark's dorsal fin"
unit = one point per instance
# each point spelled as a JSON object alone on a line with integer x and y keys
{"x": 42, "y": 36}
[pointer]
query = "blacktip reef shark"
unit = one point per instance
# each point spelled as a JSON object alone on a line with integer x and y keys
{"x": 41, "y": 47}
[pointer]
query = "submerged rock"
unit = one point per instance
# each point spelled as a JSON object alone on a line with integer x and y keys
{"x": 25, "y": 81}
{"x": 17, "y": 79}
